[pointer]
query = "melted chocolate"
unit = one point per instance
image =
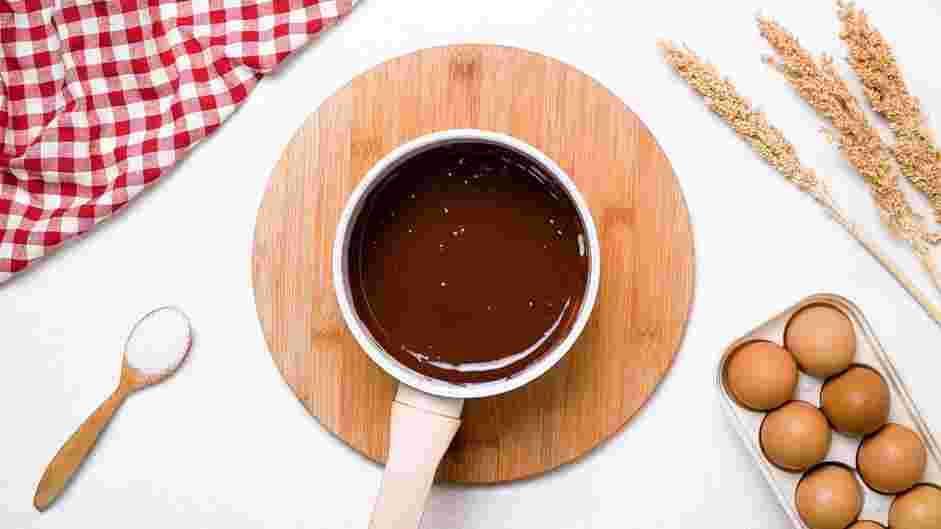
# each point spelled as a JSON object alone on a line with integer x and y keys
{"x": 468, "y": 263}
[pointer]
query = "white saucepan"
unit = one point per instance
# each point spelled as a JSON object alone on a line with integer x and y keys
{"x": 426, "y": 411}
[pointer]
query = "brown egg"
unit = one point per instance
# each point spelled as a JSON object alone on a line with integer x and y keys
{"x": 919, "y": 508}
{"x": 856, "y": 402}
{"x": 892, "y": 460}
{"x": 829, "y": 497}
{"x": 866, "y": 524}
{"x": 761, "y": 375}
{"x": 822, "y": 340}
{"x": 795, "y": 436}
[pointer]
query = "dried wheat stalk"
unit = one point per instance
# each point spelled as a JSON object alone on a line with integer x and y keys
{"x": 753, "y": 127}
{"x": 872, "y": 59}
{"x": 821, "y": 86}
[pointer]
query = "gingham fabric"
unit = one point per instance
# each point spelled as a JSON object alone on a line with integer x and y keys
{"x": 100, "y": 98}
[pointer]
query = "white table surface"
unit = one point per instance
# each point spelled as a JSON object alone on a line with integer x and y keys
{"x": 226, "y": 444}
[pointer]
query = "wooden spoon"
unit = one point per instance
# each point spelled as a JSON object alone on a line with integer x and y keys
{"x": 70, "y": 457}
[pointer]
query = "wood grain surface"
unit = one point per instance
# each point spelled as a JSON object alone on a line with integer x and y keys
{"x": 646, "y": 244}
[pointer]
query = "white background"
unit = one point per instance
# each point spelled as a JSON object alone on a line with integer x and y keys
{"x": 226, "y": 444}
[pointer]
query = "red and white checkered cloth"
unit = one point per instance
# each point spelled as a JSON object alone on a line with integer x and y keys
{"x": 98, "y": 98}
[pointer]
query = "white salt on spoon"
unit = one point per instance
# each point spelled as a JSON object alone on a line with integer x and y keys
{"x": 154, "y": 350}
{"x": 159, "y": 342}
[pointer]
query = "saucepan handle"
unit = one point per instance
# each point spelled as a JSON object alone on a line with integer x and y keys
{"x": 420, "y": 429}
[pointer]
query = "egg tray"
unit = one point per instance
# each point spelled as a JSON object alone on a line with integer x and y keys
{"x": 843, "y": 448}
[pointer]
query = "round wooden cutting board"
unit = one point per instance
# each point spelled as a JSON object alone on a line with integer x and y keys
{"x": 646, "y": 245}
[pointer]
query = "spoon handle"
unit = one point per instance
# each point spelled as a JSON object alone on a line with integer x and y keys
{"x": 73, "y": 452}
